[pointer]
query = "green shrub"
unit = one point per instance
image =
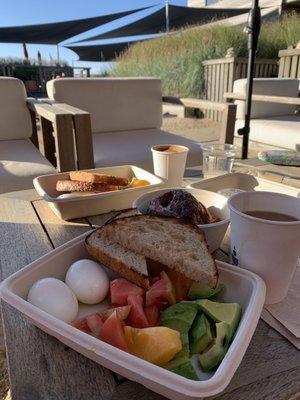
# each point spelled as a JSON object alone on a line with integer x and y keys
{"x": 177, "y": 58}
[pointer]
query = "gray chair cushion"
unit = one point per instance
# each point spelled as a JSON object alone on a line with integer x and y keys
{"x": 20, "y": 162}
{"x": 134, "y": 148}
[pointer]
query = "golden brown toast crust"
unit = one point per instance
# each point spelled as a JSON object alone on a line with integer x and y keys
{"x": 83, "y": 176}
{"x": 116, "y": 265}
{"x": 76, "y": 186}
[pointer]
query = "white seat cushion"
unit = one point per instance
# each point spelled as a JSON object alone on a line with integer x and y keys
{"x": 134, "y": 148}
{"x": 282, "y": 131}
{"x": 288, "y": 87}
{"x": 15, "y": 120}
{"x": 20, "y": 162}
{"x": 115, "y": 104}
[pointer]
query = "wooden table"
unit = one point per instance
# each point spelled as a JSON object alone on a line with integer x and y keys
{"x": 42, "y": 368}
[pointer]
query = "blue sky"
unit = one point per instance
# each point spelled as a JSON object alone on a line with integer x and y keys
{"x": 25, "y": 12}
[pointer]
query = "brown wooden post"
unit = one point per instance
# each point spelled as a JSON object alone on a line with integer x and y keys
{"x": 64, "y": 143}
{"x": 84, "y": 141}
{"x": 228, "y": 123}
{"x": 47, "y": 145}
{"x": 34, "y": 136}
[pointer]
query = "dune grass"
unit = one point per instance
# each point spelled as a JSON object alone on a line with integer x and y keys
{"x": 177, "y": 58}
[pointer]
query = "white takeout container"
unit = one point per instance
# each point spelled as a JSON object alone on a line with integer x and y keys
{"x": 215, "y": 232}
{"x": 94, "y": 203}
{"x": 242, "y": 286}
{"x": 238, "y": 180}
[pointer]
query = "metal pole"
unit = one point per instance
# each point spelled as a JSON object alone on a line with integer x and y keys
{"x": 57, "y": 55}
{"x": 252, "y": 29}
{"x": 167, "y": 16}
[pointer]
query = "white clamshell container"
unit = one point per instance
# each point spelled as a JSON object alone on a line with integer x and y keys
{"x": 238, "y": 180}
{"x": 79, "y": 206}
{"x": 242, "y": 286}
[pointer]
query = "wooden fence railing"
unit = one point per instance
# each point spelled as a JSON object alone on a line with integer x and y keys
{"x": 289, "y": 63}
{"x": 220, "y": 74}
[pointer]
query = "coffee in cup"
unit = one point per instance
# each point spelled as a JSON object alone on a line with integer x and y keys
{"x": 169, "y": 162}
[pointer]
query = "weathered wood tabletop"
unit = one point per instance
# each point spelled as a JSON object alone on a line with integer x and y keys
{"x": 42, "y": 368}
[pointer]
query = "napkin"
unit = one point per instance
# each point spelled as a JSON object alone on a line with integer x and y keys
{"x": 270, "y": 320}
{"x": 284, "y": 317}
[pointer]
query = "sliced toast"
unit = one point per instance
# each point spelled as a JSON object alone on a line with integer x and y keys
{"x": 125, "y": 244}
{"x": 77, "y": 186}
{"x": 83, "y": 176}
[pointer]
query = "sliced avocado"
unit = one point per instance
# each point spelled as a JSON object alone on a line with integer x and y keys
{"x": 200, "y": 334}
{"x": 180, "y": 316}
{"x": 226, "y": 312}
{"x": 211, "y": 357}
{"x": 185, "y": 351}
{"x": 182, "y": 366}
{"x": 199, "y": 290}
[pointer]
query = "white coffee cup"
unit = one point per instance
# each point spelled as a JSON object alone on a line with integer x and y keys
{"x": 169, "y": 162}
{"x": 267, "y": 247}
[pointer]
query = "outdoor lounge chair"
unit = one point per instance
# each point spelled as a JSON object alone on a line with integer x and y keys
{"x": 20, "y": 159}
{"x": 126, "y": 118}
{"x": 274, "y": 120}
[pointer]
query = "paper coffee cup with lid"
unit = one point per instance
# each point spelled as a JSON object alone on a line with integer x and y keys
{"x": 169, "y": 162}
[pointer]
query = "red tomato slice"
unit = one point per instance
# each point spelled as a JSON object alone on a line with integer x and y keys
{"x": 122, "y": 312}
{"x": 95, "y": 323}
{"x": 161, "y": 293}
{"x": 136, "y": 317}
{"x": 152, "y": 314}
{"x": 82, "y": 325}
{"x": 120, "y": 289}
{"x": 112, "y": 332}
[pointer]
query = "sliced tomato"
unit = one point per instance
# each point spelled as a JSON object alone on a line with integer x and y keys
{"x": 152, "y": 314}
{"x": 122, "y": 312}
{"x": 112, "y": 332}
{"x": 137, "y": 317}
{"x": 161, "y": 293}
{"x": 82, "y": 325}
{"x": 120, "y": 289}
{"x": 95, "y": 323}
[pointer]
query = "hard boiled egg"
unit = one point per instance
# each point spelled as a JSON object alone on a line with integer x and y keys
{"x": 54, "y": 297}
{"x": 88, "y": 280}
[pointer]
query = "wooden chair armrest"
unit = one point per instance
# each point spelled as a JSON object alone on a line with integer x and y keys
{"x": 195, "y": 103}
{"x": 47, "y": 111}
{"x": 264, "y": 98}
{"x": 57, "y": 134}
{"x": 228, "y": 113}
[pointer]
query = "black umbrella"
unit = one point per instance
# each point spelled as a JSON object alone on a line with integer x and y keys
{"x": 252, "y": 29}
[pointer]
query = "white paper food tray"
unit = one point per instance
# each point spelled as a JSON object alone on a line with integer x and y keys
{"x": 244, "y": 182}
{"x": 95, "y": 203}
{"x": 242, "y": 286}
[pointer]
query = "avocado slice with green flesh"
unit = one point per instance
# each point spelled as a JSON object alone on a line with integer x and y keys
{"x": 222, "y": 312}
{"x": 200, "y": 334}
{"x": 182, "y": 366}
{"x": 199, "y": 290}
{"x": 185, "y": 351}
{"x": 180, "y": 316}
{"x": 215, "y": 353}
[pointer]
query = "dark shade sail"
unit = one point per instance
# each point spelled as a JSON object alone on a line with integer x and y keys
{"x": 101, "y": 52}
{"x": 178, "y": 18}
{"x": 57, "y": 32}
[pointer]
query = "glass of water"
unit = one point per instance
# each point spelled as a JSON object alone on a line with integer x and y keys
{"x": 217, "y": 159}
